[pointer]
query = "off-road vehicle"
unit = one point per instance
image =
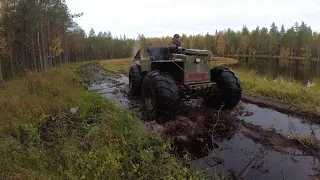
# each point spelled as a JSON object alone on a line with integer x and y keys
{"x": 165, "y": 80}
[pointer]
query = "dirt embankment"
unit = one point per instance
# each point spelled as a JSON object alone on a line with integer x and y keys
{"x": 276, "y": 141}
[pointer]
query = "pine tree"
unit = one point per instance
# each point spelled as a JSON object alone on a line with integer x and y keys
{"x": 318, "y": 46}
{"x": 254, "y": 41}
{"x": 282, "y": 33}
{"x": 221, "y": 46}
{"x": 304, "y": 41}
{"x": 3, "y": 51}
{"x": 274, "y": 40}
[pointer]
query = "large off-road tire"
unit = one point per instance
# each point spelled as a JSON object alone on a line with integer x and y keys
{"x": 160, "y": 95}
{"x": 228, "y": 92}
{"x": 135, "y": 80}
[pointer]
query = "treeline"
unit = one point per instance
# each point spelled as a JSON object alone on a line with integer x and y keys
{"x": 297, "y": 41}
{"x": 39, "y": 34}
{"x": 97, "y": 46}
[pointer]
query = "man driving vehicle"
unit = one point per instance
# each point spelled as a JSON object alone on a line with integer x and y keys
{"x": 175, "y": 45}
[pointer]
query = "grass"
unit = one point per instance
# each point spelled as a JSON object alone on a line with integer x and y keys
{"x": 282, "y": 90}
{"x": 119, "y": 65}
{"x": 309, "y": 141}
{"x": 39, "y": 139}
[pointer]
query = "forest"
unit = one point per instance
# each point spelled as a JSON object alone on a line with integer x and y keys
{"x": 296, "y": 41}
{"x": 39, "y": 34}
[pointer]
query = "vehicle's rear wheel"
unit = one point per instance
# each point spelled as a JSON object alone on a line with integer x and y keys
{"x": 135, "y": 80}
{"x": 160, "y": 96}
{"x": 228, "y": 91}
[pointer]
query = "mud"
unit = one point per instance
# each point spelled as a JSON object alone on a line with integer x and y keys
{"x": 249, "y": 142}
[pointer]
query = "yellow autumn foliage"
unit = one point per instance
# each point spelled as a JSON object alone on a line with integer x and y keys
{"x": 56, "y": 47}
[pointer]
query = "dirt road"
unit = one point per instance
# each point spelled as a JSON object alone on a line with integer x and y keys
{"x": 249, "y": 142}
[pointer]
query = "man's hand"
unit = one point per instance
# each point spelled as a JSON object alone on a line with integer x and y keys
{"x": 180, "y": 48}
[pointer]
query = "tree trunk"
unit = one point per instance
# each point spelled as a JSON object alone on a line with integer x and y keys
{"x": 1, "y": 77}
{"x": 65, "y": 49}
{"x": 23, "y": 48}
{"x": 40, "y": 56}
{"x": 45, "y": 57}
{"x": 75, "y": 48}
{"x": 33, "y": 51}
{"x": 49, "y": 41}
{"x": 10, "y": 46}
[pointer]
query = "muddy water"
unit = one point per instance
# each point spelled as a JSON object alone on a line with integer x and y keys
{"x": 257, "y": 152}
{"x": 283, "y": 123}
{"x": 241, "y": 152}
{"x": 113, "y": 88}
{"x": 249, "y": 142}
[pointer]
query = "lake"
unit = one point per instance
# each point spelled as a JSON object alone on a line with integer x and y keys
{"x": 303, "y": 71}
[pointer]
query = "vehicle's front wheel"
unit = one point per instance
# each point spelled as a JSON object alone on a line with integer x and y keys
{"x": 228, "y": 92}
{"x": 160, "y": 96}
{"x": 135, "y": 80}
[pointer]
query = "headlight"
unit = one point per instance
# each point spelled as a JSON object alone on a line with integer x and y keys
{"x": 198, "y": 60}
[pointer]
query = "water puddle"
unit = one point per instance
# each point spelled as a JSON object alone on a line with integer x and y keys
{"x": 249, "y": 142}
{"x": 283, "y": 123}
{"x": 262, "y": 148}
{"x": 114, "y": 89}
{"x": 249, "y": 160}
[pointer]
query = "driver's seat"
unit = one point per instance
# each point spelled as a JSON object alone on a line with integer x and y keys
{"x": 158, "y": 52}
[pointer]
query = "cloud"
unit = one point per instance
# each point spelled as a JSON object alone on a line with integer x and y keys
{"x": 166, "y": 17}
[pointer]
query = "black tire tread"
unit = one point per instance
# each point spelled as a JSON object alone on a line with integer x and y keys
{"x": 135, "y": 76}
{"x": 166, "y": 91}
{"x": 229, "y": 87}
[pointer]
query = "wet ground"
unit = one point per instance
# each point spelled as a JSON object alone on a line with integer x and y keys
{"x": 249, "y": 142}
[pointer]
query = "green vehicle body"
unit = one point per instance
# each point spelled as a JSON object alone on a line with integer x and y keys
{"x": 190, "y": 69}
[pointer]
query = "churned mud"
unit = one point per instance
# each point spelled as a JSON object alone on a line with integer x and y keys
{"x": 255, "y": 140}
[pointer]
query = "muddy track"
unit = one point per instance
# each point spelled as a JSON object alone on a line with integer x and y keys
{"x": 225, "y": 142}
{"x": 276, "y": 141}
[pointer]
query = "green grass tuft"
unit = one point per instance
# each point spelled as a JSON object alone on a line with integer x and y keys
{"x": 309, "y": 141}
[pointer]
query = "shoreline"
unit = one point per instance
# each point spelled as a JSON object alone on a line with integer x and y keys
{"x": 267, "y": 56}
{"x": 220, "y": 61}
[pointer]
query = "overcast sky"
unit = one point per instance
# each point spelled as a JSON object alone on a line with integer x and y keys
{"x": 167, "y": 17}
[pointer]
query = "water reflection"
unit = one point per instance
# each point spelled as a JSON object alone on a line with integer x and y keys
{"x": 300, "y": 70}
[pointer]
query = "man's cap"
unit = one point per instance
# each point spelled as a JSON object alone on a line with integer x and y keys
{"x": 176, "y": 36}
